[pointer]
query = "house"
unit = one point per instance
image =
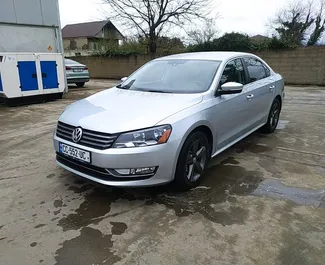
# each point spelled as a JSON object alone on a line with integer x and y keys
{"x": 259, "y": 39}
{"x": 90, "y": 37}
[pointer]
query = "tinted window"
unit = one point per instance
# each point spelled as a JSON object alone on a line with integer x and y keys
{"x": 256, "y": 69}
{"x": 173, "y": 76}
{"x": 234, "y": 72}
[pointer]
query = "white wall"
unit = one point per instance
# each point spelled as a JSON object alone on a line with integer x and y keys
{"x": 15, "y": 38}
{"x": 31, "y": 12}
{"x": 30, "y": 26}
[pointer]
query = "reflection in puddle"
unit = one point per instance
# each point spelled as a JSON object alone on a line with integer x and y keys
{"x": 222, "y": 183}
{"x": 282, "y": 124}
{"x": 275, "y": 189}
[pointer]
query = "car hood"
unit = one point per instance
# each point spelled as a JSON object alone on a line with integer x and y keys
{"x": 117, "y": 110}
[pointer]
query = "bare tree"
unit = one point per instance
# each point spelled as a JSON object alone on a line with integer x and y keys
{"x": 151, "y": 17}
{"x": 292, "y": 22}
{"x": 319, "y": 25}
{"x": 300, "y": 22}
{"x": 204, "y": 34}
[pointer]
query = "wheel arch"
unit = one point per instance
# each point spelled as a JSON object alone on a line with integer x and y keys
{"x": 199, "y": 126}
{"x": 280, "y": 99}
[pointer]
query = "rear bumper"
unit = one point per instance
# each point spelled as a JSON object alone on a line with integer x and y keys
{"x": 77, "y": 80}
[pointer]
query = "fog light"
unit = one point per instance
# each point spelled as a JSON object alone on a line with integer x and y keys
{"x": 144, "y": 170}
{"x": 133, "y": 171}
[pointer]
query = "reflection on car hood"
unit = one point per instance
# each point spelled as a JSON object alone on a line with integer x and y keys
{"x": 116, "y": 110}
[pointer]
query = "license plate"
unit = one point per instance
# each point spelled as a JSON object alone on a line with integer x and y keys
{"x": 75, "y": 153}
{"x": 78, "y": 70}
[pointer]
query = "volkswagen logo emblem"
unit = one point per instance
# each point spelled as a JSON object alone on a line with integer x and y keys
{"x": 76, "y": 135}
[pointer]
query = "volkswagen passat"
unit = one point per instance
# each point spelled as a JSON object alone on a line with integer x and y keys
{"x": 165, "y": 121}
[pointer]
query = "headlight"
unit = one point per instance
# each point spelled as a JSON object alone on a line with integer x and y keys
{"x": 147, "y": 137}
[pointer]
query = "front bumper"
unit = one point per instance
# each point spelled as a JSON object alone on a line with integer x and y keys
{"x": 164, "y": 156}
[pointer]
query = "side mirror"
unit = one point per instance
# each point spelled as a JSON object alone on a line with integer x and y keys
{"x": 123, "y": 79}
{"x": 230, "y": 88}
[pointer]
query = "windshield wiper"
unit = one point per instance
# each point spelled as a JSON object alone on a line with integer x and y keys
{"x": 126, "y": 86}
{"x": 157, "y": 91}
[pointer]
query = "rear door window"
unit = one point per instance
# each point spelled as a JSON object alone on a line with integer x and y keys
{"x": 256, "y": 69}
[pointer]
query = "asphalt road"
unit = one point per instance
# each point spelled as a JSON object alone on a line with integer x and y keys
{"x": 262, "y": 201}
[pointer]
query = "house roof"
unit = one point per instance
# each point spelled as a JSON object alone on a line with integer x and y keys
{"x": 87, "y": 29}
{"x": 259, "y": 37}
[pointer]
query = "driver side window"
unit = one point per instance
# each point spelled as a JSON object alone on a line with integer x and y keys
{"x": 234, "y": 72}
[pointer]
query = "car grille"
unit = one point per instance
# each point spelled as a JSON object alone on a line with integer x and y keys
{"x": 97, "y": 140}
{"x": 93, "y": 171}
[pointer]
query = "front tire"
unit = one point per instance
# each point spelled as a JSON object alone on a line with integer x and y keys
{"x": 80, "y": 84}
{"x": 274, "y": 116}
{"x": 192, "y": 161}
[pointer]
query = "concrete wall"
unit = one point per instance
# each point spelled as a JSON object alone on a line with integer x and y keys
{"x": 303, "y": 66}
{"x": 114, "y": 68}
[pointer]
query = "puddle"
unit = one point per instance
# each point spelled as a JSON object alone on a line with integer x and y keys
{"x": 282, "y": 124}
{"x": 221, "y": 183}
{"x": 90, "y": 247}
{"x": 118, "y": 228}
{"x": 215, "y": 199}
{"x": 275, "y": 189}
{"x": 96, "y": 204}
{"x": 246, "y": 146}
{"x": 58, "y": 203}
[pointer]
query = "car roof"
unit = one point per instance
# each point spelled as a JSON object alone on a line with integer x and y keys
{"x": 213, "y": 56}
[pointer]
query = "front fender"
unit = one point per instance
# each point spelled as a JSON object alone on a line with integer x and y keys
{"x": 182, "y": 128}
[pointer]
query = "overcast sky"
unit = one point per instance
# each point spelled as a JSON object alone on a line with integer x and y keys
{"x": 246, "y": 16}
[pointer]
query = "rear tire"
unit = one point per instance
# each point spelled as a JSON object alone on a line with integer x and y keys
{"x": 192, "y": 161}
{"x": 80, "y": 84}
{"x": 273, "y": 119}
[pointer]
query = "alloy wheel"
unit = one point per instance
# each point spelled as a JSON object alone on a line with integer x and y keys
{"x": 275, "y": 115}
{"x": 196, "y": 160}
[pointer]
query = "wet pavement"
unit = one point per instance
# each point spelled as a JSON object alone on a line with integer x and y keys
{"x": 261, "y": 202}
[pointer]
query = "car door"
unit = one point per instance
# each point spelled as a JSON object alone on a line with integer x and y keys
{"x": 232, "y": 112}
{"x": 261, "y": 87}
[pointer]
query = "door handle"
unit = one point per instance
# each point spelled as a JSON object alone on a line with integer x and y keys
{"x": 249, "y": 97}
{"x": 272, "y": 88}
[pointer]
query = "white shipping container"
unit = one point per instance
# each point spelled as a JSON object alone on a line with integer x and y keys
{"x": 31, "y": 50}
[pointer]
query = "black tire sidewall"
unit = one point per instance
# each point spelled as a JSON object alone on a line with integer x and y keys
{"x": 267, "y": 128}
{"x": 181, "y": 180}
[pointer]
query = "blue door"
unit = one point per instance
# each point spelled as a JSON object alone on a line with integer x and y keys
{"x": 27, "y": 76}
{"x": 49, "y": 74}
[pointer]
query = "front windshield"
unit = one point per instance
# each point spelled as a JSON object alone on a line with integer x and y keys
{"x": 173, "y": 76}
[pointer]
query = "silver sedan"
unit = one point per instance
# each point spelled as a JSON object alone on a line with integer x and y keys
{"x": 77, "y": 73}
{"x": 164, "y": 122}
